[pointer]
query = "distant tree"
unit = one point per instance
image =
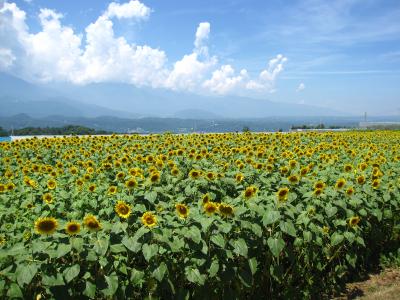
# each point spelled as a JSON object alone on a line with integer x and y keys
{"x": 246, "y": 129}
{"x": 66, "y": 130}
{"x": 3, "y": 132}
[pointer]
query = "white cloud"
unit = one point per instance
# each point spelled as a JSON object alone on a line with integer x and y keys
{"x": 58, "y": 53}
{"x": 189, "y": 72}
{"x": 132, "y": 9}
{"x": 224, "y": 81}
{"x": 301, "y": 87}
{"x": 6, "y": 58}
{"x": 202, "y": 34}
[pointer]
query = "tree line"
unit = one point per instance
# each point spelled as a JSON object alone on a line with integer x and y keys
{"x": 66, "y": 130}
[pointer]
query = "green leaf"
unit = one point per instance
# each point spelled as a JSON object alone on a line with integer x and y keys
{"x": 53, "y": 280}
{"x": 149, "y": 251}
{"x": 195, "y": 234}
{"x": 253, "y": 265}
{"x": 240, "y": 247}
{"x": 112, "y": 282}
{"x": 71, "y": 272}
{"x": 349, "y": 236}
{"x": 336, "y": 239}
{"x": 213, "y": 269}
{"x": 360, "y": 241}
{"x": 25, "y": 274}
{"x": 137, "y": 277}
{"x": 131, "y": 243}
{"x": 271, "y": 217}
{"x": 276, "y": 245}
{"x": 288, "y": 228}
{"x": 307, "y": 235}
{"x": 330, "y": 210}
{"x": 140, "y": 232}
{"x": 63, "y": 249}
{"x": 90, "y": 290}
{"x": 194, "y": 276}
{"x": 117, "y": 248}
{"x": 14, "y": 291}
{"x": 151, "y": 196}
{"x": 40, "y": 246}
{"x": 77, "y": 243}
{"x": 101, "y": 246}
{"x": 218, "y": 240}
{"x": 206, "y": 222}
{"x": 160, "y": 272}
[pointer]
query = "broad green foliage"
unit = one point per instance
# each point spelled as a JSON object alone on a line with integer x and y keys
{"x": 213, "y": 216}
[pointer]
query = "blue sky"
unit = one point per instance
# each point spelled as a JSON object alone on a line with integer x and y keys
{"x": 339, "y": 54}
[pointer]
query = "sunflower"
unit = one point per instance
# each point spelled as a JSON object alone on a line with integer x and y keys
{"x": 174, "y": 171}
{"x": 92, "y": 188}
{"x": 361, "y": 179}
{"x": 2, "y": 240}
{"x": 348, "y": 168}
{"x": 284, "y": 170}
{"x": 239, "y": 177}
{"x": 292, "y": 163}
{"x": 304, "y": 171}
{"x": 353, "y": 221}
{"x": 182, "y": 210}
{"x": 123, "y": 209}
{"x": 350, "y": 191}
{"x": 206, "y": 198}
{"x": 325, "y": 230}
{"x": 154, "y": 177}
{"x": 10, "y": 186}
{"x": 51, "y": 184}
{"x": 250, "y": 192}
{"x": 318, "y": 192}
{"x": 210, "y": 207}
{"x": 195, "y": 174}
{"x": 2, "y": 188}
{"x": 225, "y": 210}
{"x": 210, "y": 175}
{"x": 72, "y": 228}
{"x": 92, "y": 223}
{"x": 148, "y": 219}
{"x": 340, "y": 183}
{"x": 48, "y": 198}
{"x": 112, "y": 190}
{"x": 47, "y": 225}
{"x": 376, "y": 183}
{"x": 131, "y": 183}
{"x": 283, "y": 194}
{"x": 293, "y": 179}
{"x": 120, "y": 175}
{"x": 319, "y": 185}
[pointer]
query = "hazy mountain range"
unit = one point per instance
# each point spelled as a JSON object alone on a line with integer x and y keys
{"x": 127, "y": 101}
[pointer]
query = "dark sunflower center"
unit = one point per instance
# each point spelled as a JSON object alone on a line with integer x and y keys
{"x": 73, "y": 228}
{"x": 93, "y": 224}
{"x": 282, "y": 193}
{"x": 123, "y": 209}
{"x": 47, "y": 226}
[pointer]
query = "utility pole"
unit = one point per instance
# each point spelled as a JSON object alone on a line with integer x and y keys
{"x": 365, "y": 117}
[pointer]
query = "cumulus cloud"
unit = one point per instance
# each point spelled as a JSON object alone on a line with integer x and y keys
{"x": 224, "y": 80}
{"x": 301, "y": 87}
{"x": 58, "y": 53}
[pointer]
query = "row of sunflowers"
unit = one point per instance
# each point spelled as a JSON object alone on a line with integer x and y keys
{"x": 208, "y": 216}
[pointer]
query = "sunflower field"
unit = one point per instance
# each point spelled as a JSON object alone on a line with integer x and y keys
{"x": 199, "y": 216}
